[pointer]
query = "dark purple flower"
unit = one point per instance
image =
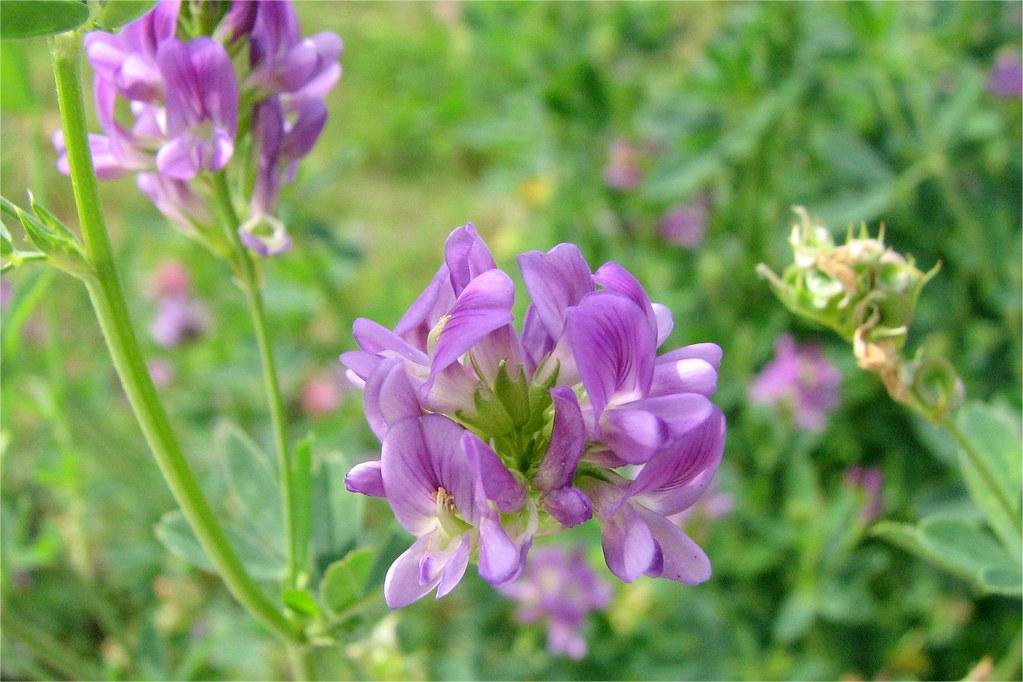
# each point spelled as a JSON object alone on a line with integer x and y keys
{"x": 800, "y": 379}
{"x": 685, "y": 225}
{"x": 560, "y": 589}
{"x": 284, "y": 62}
{"x": 1006, "y": 77}
{"x": 869, "y": 481}
{"x": 575, "y": 416}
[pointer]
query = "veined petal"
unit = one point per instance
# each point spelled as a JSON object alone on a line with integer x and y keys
{"x": 681, "y": 412}
{"x": 366, "y": 478}
{"x": 614, "y": 278}
{"x": 555, "y": 280}
{"x": 466, "y": 256}
{"x": 614, "y": 348}
{"x": 634, "y": 435}
{"x": 568, "y": 438}
{"x": 401, "y": 584}
{"x": 628, "y": 544}
{"x": 201, "y": 85}
{"x": 419, "y": 457}
{"x": 389, "y": 397}
{"x": 499, "y": 559}
{"x": 499, "y": 485}
{"x": 569, "y": 505}
{"x": 536, "y": 342}
{"x": 423, "y": 314}
{"x": 483, "y": 306}
{"x": 681, "y": 462}
{"x": 680, "y": 559}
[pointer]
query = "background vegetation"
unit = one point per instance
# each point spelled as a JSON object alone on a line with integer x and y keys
{"x": 504, "y": 114}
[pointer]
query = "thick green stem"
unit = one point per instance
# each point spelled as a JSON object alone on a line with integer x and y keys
{"x": 248, "y": 280}
{"x": 981, "y": 467}
{"x": 108, "y": 301}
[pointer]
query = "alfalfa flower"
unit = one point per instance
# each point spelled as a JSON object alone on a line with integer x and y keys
{"x": 175, "y": 108}
{"x": 801, "y": 380}
{"x": 560, "y": 589}
{"x": 571, "y": 416}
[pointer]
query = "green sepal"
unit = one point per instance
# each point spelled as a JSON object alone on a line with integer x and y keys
{"x": 50, "y": 236}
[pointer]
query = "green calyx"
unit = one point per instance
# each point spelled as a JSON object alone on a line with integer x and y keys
{"x": 513, "y": 413}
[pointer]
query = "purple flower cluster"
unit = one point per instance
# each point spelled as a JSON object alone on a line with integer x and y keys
{"x": 801, "y": 380}
{"x": 186, "y": 111}
{"x": 492, "y": 435}
{"x": 559, "y": 588}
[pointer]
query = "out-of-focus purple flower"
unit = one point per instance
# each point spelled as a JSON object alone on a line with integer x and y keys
{"x": 713, "y": 505}
{"x": 202, "y": 107}
{"x": 622, "y": 170}
{"x": 581, "y": 389}
{"x": 284, "y": 62}
{"x": 1006, "y": 77}
{"x": 559, "y": 588}
{"x": 182, "y": 112}
{"x": 802, "y": 380}
{"x": 870, "y": 482}
{"x": 322, "y": 394}
{"x": 685, "y": 225}
{"x": 178, "y": 319}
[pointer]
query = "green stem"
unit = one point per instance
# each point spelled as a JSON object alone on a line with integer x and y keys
{"x": 978, "y": 464}
{"x": 108, "y": 301}
{"x": 301, "y": 662}
{"x": 248, "y": 280}
{"x": 42, "y": 646}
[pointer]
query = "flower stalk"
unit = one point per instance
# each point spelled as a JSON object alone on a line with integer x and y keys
{"x": 108, "y": 301}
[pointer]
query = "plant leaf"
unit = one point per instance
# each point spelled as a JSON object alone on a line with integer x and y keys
{"x": 995, "y": 436}
{"x": 115, "y": 13}
{"x": 345, "y": 580}
{"x": 28, "y": 18}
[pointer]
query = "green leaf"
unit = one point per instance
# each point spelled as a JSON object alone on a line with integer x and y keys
{"x": 301, "y": 602}
{"x": 995, "y": 436}
{"x": 173, "y": 532}
{"x": 255, "y": 495}
{"x": 27, "y": 18}
{"x": 116, "y": 13}
{"x": 337, "y": 513}
{"x": 345, "y": 580}
{"x": 1007, "y": 581}
{"x": 15, "y": 84}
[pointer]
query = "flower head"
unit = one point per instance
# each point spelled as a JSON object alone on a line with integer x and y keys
{"x": 622, "y": 170}
{"x": 1006, "y": 77}
{"x": 801, "y": 379}
{"x": 685, "y": 225}
{"x": 559, "y": 588}
{"x": 174, "y": 108}
{"x": 550, "y": 419}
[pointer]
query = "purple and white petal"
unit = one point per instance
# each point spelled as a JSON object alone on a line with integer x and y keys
{"x": 466, "y": 256}
{"x": 366, "y": 478}
{"x": 679, "y": 558}
{"x": 555, "y": 280}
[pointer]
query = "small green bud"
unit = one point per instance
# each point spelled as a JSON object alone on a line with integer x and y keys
{"x": 53, "y": 239}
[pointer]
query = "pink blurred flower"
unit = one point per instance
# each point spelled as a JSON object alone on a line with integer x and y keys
{"x": 161, "y": 372}
{"x": 685, "y": 225}
{"x": 622, "y": 170}
{"x": 322, "y": 394}
{"x": 171, "y": 279}
{"x": 801, "y": 380}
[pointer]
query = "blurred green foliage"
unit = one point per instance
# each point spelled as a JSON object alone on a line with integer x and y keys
{"x": 503, "y": 114}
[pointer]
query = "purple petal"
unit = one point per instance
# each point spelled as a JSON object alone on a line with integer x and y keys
{"x": 500, "y": 345}
{"x": 680, "y": 559}
{"x": 419, "y": 457}
{"x": 499, "y": 559}
{"x": 455, "y": 567}
{"x": 483, "y": 306}
{"x": 389, "y": 397}
{"x": 681, "y": 412}
{"x": 628, "y": 544}
{"x": 681, "y": 463}
{"x": 613, "y": 348}
{"x": 366, "y": 478}
{"x": 633, "y": 435}
{"x": 499, "y": 484}
{"x": 616, "y": 279}
{"x": 401, "y": 584}
{"x": 684, "y": 376}
{"x": 709, "y": 352}
{"x": 536, "y": 342}
{"x": 201, "y": 85}
{"x": 360, "y": 363}
{"x": 568, "y": 437}
{"x": 427, "y": 309}
{"x": 665, "y": 322}
{"x": 311, "y": 116}
{"x": 180, "y": 158}
{"x": 466, "y": 256}
{"x": 375, "y": 338}
{"x": 570, "y": 506}
{"x": 555, "y": 280}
